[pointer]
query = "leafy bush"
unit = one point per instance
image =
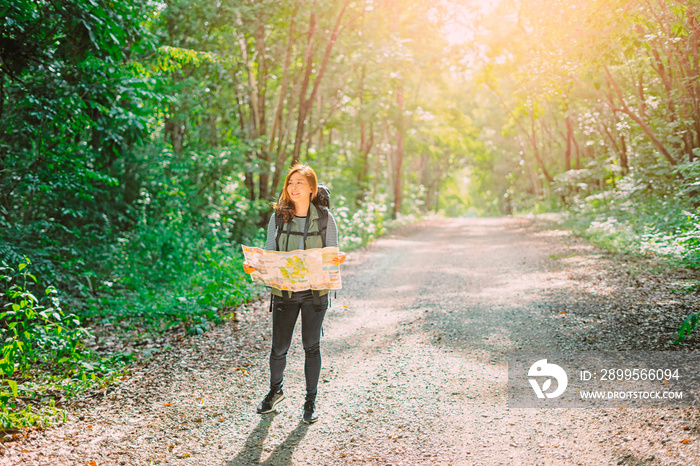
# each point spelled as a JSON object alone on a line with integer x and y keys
{"x": 211, "y": 280}
{"x": 39, "y": 341}
{"x": 34, "y": 330}
{"x": 361, "y": 226}
{"x": 372, "y": 218}
{"x": 675, "y": 236}
{"x": 644, "y": 215}
{"x": 176, "y": 267}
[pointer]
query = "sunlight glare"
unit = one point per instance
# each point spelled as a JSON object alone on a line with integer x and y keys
{"x": 463, "y": 16}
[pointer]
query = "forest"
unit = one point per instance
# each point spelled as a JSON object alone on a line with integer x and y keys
{"x": 142, "y": 142}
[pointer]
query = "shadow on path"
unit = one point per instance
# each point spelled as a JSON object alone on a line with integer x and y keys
{"x": 282, "y": 454}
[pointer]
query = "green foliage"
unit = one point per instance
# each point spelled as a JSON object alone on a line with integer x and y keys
{"x": 676, "y": 236}
{"x": 688, "y": 326}
{"x": 42, "y": 351}
{"x": 639, "y": 220}
{"x": 209, "y": 277}
{"x": 357, "y": 228}
{"x": 181, "y": 261}
{"x": 16, "y": 415}
{"x": 691, "y": 287}
{"x": 69, "y": 111}
{"x": 34, "y": 330}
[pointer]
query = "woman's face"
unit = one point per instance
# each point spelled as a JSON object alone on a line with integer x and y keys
{"x": 298, "y": 188}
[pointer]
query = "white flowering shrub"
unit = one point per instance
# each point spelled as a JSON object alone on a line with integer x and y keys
{"x": 364, "y": 224}
{"x": 359, "y": 226}
{"x": 634, "y": 218}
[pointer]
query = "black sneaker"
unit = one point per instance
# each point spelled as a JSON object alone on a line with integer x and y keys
{"x": 310, "y": 413}
{"x": 268, "y": 403}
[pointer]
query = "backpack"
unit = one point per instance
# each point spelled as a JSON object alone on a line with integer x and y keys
{"x": 322, "y": 201}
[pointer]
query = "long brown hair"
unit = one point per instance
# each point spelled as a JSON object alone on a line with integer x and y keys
{"x": 284, "y": 208}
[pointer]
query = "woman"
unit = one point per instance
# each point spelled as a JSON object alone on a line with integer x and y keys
{"x": 295, "y": 208}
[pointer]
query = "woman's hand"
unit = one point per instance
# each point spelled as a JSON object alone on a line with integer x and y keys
{"x": 248, "y": 268}
{"x": 340, "y": 259}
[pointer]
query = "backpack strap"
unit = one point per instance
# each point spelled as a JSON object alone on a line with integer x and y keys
{"x": 322, "y": 222}
{"x": 322, "y": 227}
{"x": 278, "y": 225}
{"x": 306, "y": 226}
{"x": 289, "y": 235}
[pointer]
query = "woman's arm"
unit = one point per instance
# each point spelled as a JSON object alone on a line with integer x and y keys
{"x": 271, "y": 234}
{"x": 269, "y": 243}
{"x": 331, "y": 232}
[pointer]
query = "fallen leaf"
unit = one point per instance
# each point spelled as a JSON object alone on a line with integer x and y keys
{"x": 92, "y": 463}
{"x": 168, "y": 404}
{"x": 685, "y": 440}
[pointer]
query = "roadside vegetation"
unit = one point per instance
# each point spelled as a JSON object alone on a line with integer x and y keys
{"x": 598, "y": 122}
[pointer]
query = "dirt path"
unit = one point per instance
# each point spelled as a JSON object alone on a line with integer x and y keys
{"x": 414, "y": 368}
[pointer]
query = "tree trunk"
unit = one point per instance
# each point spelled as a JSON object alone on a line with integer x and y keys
{"x": 624, "y": 161}
{"x": 619, "y": 149}
{"x": 642, "y": 124}
{"x": 175, "y": 133}
{"x": 277, "y": 122}
{"x": 398, "y": 157}
{"x": 304, "y": 101}
{"x": 535, "y": 148}
{"x": 264, "y": 176}
{"x": 2, "y": 93}
{"x": 569, "y": 137}
{"x": 366, "y": 143}
{"x": 532, "y": 138}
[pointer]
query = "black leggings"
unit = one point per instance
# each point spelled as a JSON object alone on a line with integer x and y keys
{"x": 283, "y": 320}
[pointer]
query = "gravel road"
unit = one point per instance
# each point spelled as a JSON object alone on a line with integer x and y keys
{"x": 414, "y": 368}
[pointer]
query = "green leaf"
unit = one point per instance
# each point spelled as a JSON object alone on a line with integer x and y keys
{"x": 13, "y": 386}
{"x": 688, "y": 325}
{"x": 22, "y": 266}
{"x": 680, "y": 30}
{"x": 15, "y": 307}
